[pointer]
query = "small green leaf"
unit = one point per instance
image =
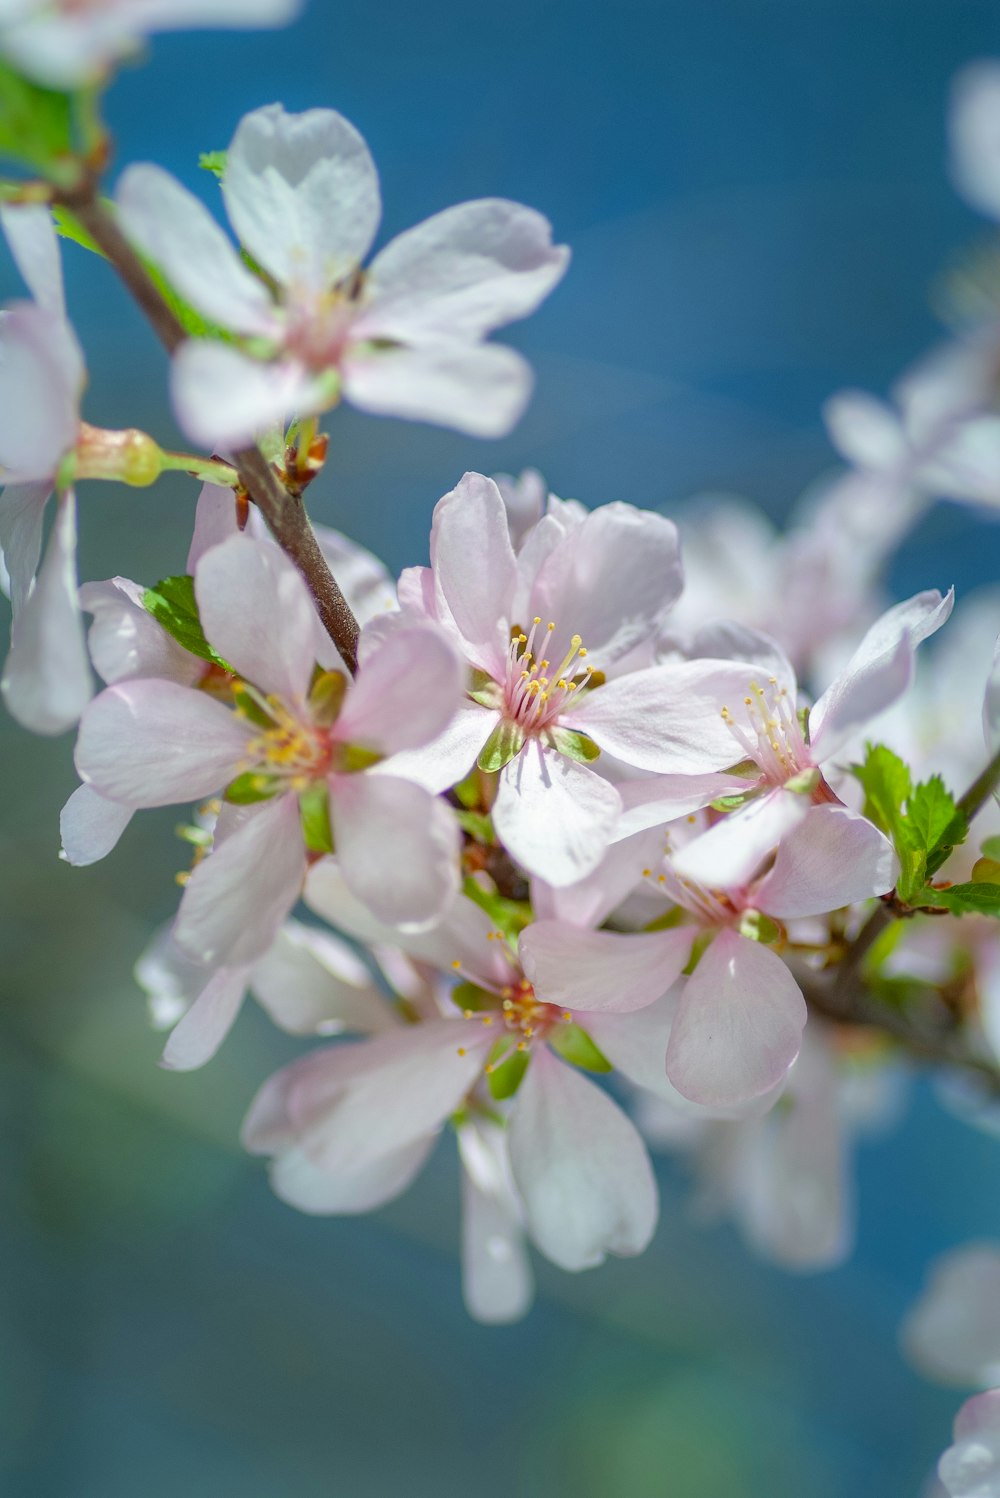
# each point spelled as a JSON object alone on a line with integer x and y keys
{"x": 575, "y": 1046}
{"x": 174, "y": 607}
{"x": 469, "y": 996}
{"x": 574, "y": 745}
{"x": 500, "y": 748}
{"x": 962, "y": 899}
{"x": 508, "y": 1068}
{"x": 935, "y": 820}
{"x": 508, "y": 916}
{"x": 479, "y": 826}
{"x": 36, "y": 126}
{"x": 250, "y": 787}
{"x": 886, "y": 782}
{"x": 314, "y": 809}
{"x": 214, "y": 162}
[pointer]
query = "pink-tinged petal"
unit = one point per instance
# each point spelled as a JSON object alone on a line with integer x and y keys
{"x": 832, "y": 858}
{"x": 297, "y": 1180}
{"x": 636, "y": 1044}
{"x": 480, "y": 389}
{"x": 612, "y": 581}
{"x": 125, "y": 640}
{"x": 971, "y": 1468}
{"x": 170, "y": 979}
{"x": 604, "y": 971}
{"x": 975, "y": 136}
{"x": 405, "y": 693}
{"x": 176, "y": 231}
{"x": 223, "y": 398}
{"x": 397, "y": 845}
{"x": 475, "y": 570}
{"x": 553, "y": 815}
{"x": 663, "y": 798}
{"x": 22, "y": 514}
{"x": 31, "y": 237}
{"x": 580, "y": 1166}
{"x": 202, "y": 1029}
{"x": 591, "y": 900}
{"x": 738, "y": 1026}
{"x": 878, "y": 672}
{"x": 667, "y": 718}
{"x": 47, "y": 681}
{"x": 991, "y": 705}
{"x": 154, "y": 743}
{"x": 463, "y": 272}
{"x": 302, "y": 194}
{"x": 952, "y": 1334}
{"x": 214, "y": 522}
{"x": 730, "y": 853}
{"x": 447, "y": 759}
{"x": 356, "y": 1103}
{"x": 41, "y": 379}
{"x": 90, "y": 826}
{"x": 728, "y": 640}
{"x": 238, "y": 897}
{"x": 312, "y": 983}
{"x": 257, "y": 613}
{"x": 497, "y": 1284}
{"x": 865, "y": 430}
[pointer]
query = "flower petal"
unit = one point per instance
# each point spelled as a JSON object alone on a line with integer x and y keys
{"x": 580, "y": 1166}
{"x": 971, "y": 1468}
{"x": 637, "y": 1045}
{"x": 729, "y": 854}
{"x": 34, "y": 244}
{"x": 90, "y": 826}
{"x": 297, "y": 1180}
{"x": 952, "y": 1334}
{"x": 738, "y": 1026}
{"x": 238, "y": 897}
{"x": 176, "y": 231}
{"x": 975, "y": 136}
{"x": 606, "y": 971}
{"x": 832, "y": 858}
{"x": 477, "y": 388}
{"x": 463, "y": 272}
{"x": 201, "y": 1030}
{"x": 47, "y": 681}
{"x": 497, "y": 1283}
{"x": 302, "y": 194}
{"x": 125, "y": 640}
{"x": 447, "y": 759}
{"x": 554, "y": 816}
{"x": 41, "y": 380}
{"x": 224, "y": 399}
{"x": 475, "y": 570}
{"x": 22, "y": 515}
{"x": 397, "y": 846}
{"x": 405, "y": 693}
{"x": 154, "y": 743}
{"x": 312, "y": 983}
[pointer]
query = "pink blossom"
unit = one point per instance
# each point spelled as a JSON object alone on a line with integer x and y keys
{"x": 971, "y": 1467}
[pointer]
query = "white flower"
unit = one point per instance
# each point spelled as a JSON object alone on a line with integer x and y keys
{"x": 971, "y": 1468}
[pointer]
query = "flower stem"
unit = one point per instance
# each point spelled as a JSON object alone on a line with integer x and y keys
{"x": 284, "y": 512}
{"x": 211, "y": 470}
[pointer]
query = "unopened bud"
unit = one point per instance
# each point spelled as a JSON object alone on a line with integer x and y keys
{"x": 130, "y": 456}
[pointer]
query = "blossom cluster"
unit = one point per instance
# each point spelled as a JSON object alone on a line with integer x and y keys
{"x": 572, "y": 851}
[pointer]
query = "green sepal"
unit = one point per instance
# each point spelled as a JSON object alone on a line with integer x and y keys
{"x": 173, "y": 605}
{"x": 803, "y": 716}
{"x": 500, "y": 748}
{"x": 214, "y": 162}
{"x": 37, "y": 127}
{"x": 575, "y": 1046}
{"x": 470, "y": 996}
{"x": 469, "y": 791}
{"x": 478, "y": 825}
{"x": 746, "y": 769}
{"x": 668, "y": 920}
{"x": 314, "y": 810}
{"x": 962, "y": 899}
{"x": 508, "y": 916}
{"x": 804, "y": 783}
{"x": 249, "y": 708}
{"x": 326, "y": 696}
{"x": 351, "y": 758}
{"x": 574, "y": 745}
{"x": 734, "y": 801}
{"x": 483, "y": 689}
{"x": 756, "y": 926}
{"x": 698, "y": 947}
{"x": 250, "y": 787}
{"x": 508, "y": 1076}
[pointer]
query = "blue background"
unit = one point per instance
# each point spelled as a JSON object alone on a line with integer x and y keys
{"x": 756, "y": 196}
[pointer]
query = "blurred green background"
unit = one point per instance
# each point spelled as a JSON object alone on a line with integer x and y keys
{"x": 756, "y": 196}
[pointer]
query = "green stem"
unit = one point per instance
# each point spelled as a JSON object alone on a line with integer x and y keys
{"x": 211, "y": 470}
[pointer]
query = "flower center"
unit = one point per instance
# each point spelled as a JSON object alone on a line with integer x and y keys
{"x": 318, "y": 325}
{"x": 535, "y": 693}
{"x": 771, "y": 735}
{"x": 291, "y": 750}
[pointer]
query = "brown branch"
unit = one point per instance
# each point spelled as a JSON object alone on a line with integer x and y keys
{"x": 283, "y": 511}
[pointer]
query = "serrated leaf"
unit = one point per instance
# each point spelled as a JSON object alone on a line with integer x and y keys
{"x": 576, "y": 1046}
{"x": 505, "y": 1068}
{"x": 173, "y": 605}
{"x": 962, "y": 899}
{"x": 314, "y": 810}
{"x": 886, "y": 782}
{"x": 574, "y": 745}
{"x": 932, "y": 813}
{"x": 500, "y": 748}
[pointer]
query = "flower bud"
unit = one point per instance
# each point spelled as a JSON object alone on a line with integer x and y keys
{"x": 130, "y": 456}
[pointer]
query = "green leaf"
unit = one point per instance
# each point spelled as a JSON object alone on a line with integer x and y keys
{"x": 250, "y": 787}
{"x": 508, "y": 916}
{"x": 68, "y": 226}
{"x": 500, "y": 748}
{"x": 991, "y": 848}
{"x": 478, "y": 824}
{"x": 574, "y": 745}
{"x": 922, "y": 821}
{"x": 962, "y": 899}
{"x": 36, "y": 127}
{"x": 174, "y": 607}
{"x": 886, "y": 782}
{"x": 508, "y": 1068}
{"x": 934, "y": 818}
{"x": 575, "y": 1046}
{"x": 314, "y": 809}
{"x": 214, "y": 162}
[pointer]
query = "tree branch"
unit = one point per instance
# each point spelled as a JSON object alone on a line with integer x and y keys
{"x": 284, "y": 512}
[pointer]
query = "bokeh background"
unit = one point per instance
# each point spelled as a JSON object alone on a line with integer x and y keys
{"x": 756, "y": 196}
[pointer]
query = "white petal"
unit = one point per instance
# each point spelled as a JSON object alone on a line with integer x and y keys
{"x": 224, "y": 399}
{"x": 176, "y": 231}
{"x": 636, "y": 1044}
{"x": 657, "y": 799}
{"x": 90, "y": 826}
{"x": 34, "y": 244}
{"x": 214, "y": 522}
{"x": 953, "y": 1332}
{"x": 975, "y": 136}
{"x": 475, "y": 570}
{"x": 126, "y": 641}
{"x": 448, "y": 759}
{"x": 199, "y": 1033}
{"x": 351, "y": 1188}
{"x": 153, "y": 743}
{"x": 738, "y": 1026}
{"x": 607, "y": 971}
{"x": 312, "y": 983}
{"x": 41, "y": 380}
{"x": 480, "y": 389}
{"x": 238, "y": 897}
{"x": 463, "y": 272}
{"x": 580, "y": 1167}
{"x": 832, "y": 858}
{"x": 302, "y": 194}
{"x": 971, "y": 1468}
{"x": 497, "y": 1283}
{"x": 257, "y": 613}
{"x": 47, "y": 681}
{"x": 865, "y": 430}
{"x": 730, "y": 853}
{"x": 22, "y": 515}
{"x": 397, "y": 846}
{"x": 591, "y": 900}
{"x": 405, "y": 693}
{"x": 554, "y": 816}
